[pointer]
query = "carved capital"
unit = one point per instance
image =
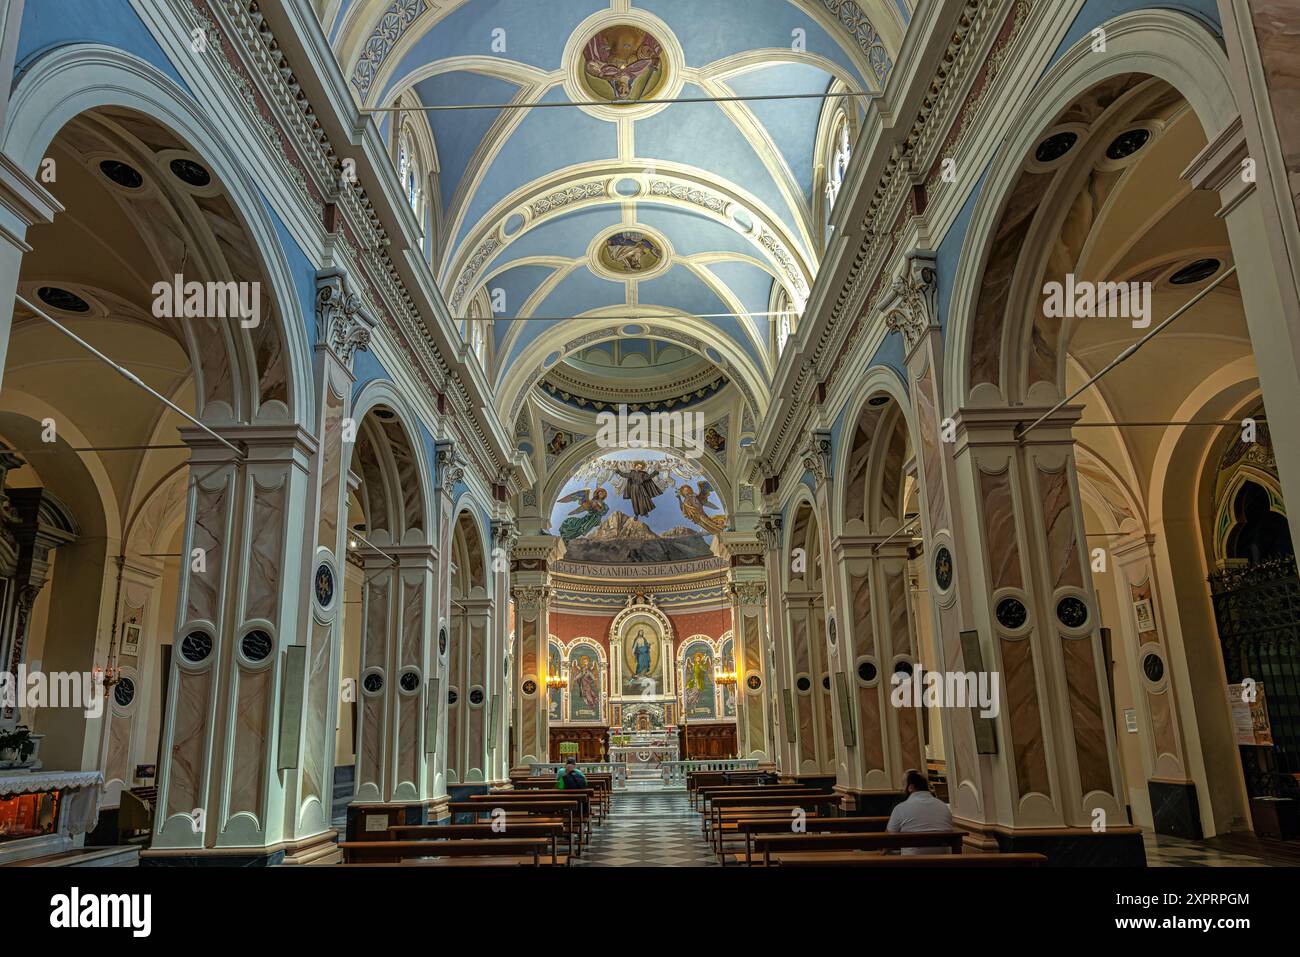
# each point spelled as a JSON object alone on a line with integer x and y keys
{"x": 749, "y": 593}
{"x": 816, "y": 455}
{"x": 769, "y": 531}
{"x": 505, "y": 535}
{"x": 528, "y": 598}
{"x": 909, "y": 307}
{"x": 450, "y": 466}
{"x": 340, "y": 323}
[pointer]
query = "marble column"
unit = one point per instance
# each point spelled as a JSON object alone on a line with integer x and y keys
{"x": 531, "y": 593}
{"x": 747, "y": 578}
{"x": 1175, "y": 808}
{"x": 1012, "y": 602}
{"x": 221, "y": 793}
{"x": 780, "y": 674}
{"x": 878, "y": 639}
{"x": 504, "y": 536}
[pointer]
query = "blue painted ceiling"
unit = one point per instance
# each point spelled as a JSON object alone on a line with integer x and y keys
{"x": 726, "y": 190}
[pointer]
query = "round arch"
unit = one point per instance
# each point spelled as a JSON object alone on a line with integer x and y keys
{"x": 1162, "y": 44}
{"x": 403, "y": 438}
{"x": 69, "y": 81}
{"x": 858, "y": 465}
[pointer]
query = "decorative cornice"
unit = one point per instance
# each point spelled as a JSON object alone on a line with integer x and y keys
{"x": 396, "y": 20}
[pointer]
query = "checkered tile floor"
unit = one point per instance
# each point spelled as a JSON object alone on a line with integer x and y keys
{"x": 651, "y": 829}
{"x": 1165, "y": 851}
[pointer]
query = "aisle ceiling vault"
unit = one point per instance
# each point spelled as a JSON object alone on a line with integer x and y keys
{"x": 535, "y": 204}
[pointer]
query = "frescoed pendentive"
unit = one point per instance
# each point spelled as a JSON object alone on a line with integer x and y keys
{"x": 623, "y": 64}
{"x": 630, "y": 251}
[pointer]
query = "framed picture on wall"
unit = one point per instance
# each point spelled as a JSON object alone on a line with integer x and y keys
{"x": 131, "y": 639}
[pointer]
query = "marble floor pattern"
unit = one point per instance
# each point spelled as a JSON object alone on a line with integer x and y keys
{"x": 1165, "y": 851}
{"x": 649, "y": 829}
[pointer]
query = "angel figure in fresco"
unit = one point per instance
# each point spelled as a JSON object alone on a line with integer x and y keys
{"x": 586, "y": 515}
{"x": 695, "y": 502}
{"x": 640, "y": 487}
{"x": 697, "y": 669}
{"x": 620, "y": 57}
{"x": 631, "y": 251}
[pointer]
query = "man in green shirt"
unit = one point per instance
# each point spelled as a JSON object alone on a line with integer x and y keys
{"x": 570, "y": 777}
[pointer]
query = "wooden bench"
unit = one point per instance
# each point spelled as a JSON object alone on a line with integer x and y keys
{"x": 552, "y": 830}
{"x": 697, "y": 779}
{"x": 769, "y": 845}
{"x": 748, "y": 828}
{"x": 523, "y": 850}
{"x": 866, "y": 859}
{"x": 750, "y": 804}
{"x": 707, "y": 795}
{"x": 581, "y": 796}
{"x": 566, "y": 812}
{"x": 601, "y": 787}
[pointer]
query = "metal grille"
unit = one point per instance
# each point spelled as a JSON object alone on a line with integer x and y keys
{"x": 1257, "y": 610}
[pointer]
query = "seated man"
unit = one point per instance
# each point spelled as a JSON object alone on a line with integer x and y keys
{"x": 921, "y": 811}
{"x": 571, "y": 777}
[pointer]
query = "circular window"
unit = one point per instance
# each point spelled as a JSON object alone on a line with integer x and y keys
{"x": 878, "y": 400}
{"x": 196, "y": 646}
{"x": 803, "y": 684}
{"x": 1055, "y": 146}
{"x": 256, "y": 645}
{"x": 943, "y": 568}
{"x": 1127, "y": 143}
{"x": 452, "y": 696}
{"x": 826, "y": 682}
{"x": 373, "y": 682}
{"x": 1012, "y": 613}
{"x": 903, "y": 668}
{"x": 123, "y": 174}
{"x": 409, "y": 681}
{"x": 1153, "y": 667}
{"x": 324, "y": 585}
{"x": 1195, "y": 272}
{"x": 190, "y": 172}
{"x": 830, "y": 630}
{"x": 530, "y": 687}
{"x": 753, "y": 682}
{"x": 62, "y": 299}
{"x": 124, "y": 692}
{"x": 442, "y": 642}
{"x": 867, "y": 671}
{"x": 505, "y": 668}
{"x": 1072, "y": 612}
{"x": 476, "y": 696}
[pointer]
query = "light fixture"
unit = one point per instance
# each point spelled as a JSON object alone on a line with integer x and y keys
{"x": 107, "y": 676}
{"x": 725, "y": 677}
{"x": 555, "y": 681}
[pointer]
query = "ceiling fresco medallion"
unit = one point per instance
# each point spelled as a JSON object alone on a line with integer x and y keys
{"x": 623, "y": 64}
{"x": 629, "y": 252}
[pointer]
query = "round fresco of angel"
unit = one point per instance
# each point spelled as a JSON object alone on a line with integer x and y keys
{"x": 623, "y": 64}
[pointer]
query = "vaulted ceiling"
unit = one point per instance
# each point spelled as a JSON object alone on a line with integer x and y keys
{"x": 594, "y": 215}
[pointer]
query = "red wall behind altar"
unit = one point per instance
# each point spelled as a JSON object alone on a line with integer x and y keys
{"x": 567, "y": 626}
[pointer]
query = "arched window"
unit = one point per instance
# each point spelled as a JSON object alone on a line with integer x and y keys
{"x": 838, "y": 164}
{"x": 411, "y": 172}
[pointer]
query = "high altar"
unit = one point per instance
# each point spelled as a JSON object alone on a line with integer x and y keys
{"x": 643, "y": 731}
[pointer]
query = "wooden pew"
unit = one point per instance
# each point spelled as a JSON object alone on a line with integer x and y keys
{"x": 583, "y": 797}
{"x": 601, "y": 786}
{"x": 811, "y": 803}
{"x": 552, "y": 830}
{"x": 696, "y": 779}
{"x": 863, "y": 859}
{"x": 565, "y": 811}
{"x": 770, "y": 845}
{"x": 515, "y": 850}
{"x": 748, "y": 828}
{"x": 707, "y": 794}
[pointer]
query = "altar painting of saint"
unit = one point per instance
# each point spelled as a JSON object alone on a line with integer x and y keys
{"x": 584, "y": 684}
{"x": 641, "y": 674}
{"x": 697, "y": 682}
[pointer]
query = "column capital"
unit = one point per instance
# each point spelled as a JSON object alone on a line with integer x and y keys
{"x": 341, "y": 325}
{"x": 505, "y": 536}
{"x": 909, "y": 305}
{"x": 1002, "y": 426}
{"x": 1221, "y": 167}
{"x": 769, "y": 531}
{"x": 450, "y": 465}
{"x": 529, "y": 597}
{"x": 872, "y": 547}
{"x": 816, "y": 455}
{"x": 749, "y": 592}
{"x": 24, "y": 202}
